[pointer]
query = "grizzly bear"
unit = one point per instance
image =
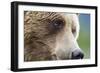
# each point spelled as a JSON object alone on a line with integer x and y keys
{"x": 51, "y": 36}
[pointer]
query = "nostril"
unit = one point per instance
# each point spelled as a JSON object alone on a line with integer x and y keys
{"x": 77, "y": 55}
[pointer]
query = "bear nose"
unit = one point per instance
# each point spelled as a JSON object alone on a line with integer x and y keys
{"x": 77, "y": 54}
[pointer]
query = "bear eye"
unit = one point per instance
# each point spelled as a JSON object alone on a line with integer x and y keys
{"x": 58, "y": 24}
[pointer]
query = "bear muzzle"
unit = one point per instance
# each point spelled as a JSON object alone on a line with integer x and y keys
{"x": 77, "y": 54}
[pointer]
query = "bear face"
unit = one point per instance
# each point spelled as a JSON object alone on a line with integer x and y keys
{"x": 51, "y": 36}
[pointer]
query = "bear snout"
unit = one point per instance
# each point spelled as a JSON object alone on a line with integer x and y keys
{"x": 77, "y": 54}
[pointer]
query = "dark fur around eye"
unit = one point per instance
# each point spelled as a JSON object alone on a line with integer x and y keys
{"x": 58, "y": 24}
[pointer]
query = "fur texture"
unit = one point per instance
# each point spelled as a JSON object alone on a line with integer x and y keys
{"x": 49, "y": 35}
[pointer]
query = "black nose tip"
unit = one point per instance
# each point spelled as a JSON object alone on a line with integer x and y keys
{"x": 77, "y": 54}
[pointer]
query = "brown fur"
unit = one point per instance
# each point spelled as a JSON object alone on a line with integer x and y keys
{"x": 38, "y": 31}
